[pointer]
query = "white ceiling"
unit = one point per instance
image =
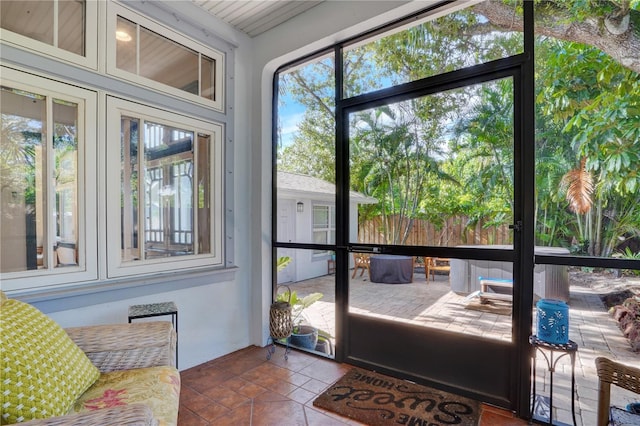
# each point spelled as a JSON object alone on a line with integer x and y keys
{"x": 254, "y": 17}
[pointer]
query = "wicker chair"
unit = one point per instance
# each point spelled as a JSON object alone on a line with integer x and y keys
{"x": 611, "y": 372}
{"x": 120, "y": 347}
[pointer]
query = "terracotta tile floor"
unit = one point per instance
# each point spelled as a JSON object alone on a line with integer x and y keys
{"x": 243, "y": 388}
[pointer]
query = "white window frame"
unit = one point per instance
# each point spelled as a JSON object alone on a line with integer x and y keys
{"x": 90, "y": 58}
{"x": 116, "y": 267}
{"x": 331, "y": 226}
{"x": 114, "y": 10}
{"x": 87, "y": 101}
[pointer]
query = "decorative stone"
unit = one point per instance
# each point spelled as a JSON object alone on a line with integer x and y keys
{"x": 620, "y": 312}
{"x": 628, "y": 317}
{"x": 633, "y": 334}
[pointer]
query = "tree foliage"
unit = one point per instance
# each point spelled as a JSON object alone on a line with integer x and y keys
{"x": 612, "y": 27}
{"x": 452, "y": 153}
{"x": 592, "y": 103}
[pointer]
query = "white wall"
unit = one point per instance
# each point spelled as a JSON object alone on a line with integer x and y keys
{"x": 211, "y": 320}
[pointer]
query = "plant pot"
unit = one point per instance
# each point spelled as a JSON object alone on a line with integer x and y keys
{"x": 324, "y": 346}
{"x": 304, "y": 337}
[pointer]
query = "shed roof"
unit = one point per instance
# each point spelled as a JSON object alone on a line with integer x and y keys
{"x": 312, "y": 187}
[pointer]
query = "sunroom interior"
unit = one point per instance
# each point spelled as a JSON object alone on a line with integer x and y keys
{"x": 161, "y": 182}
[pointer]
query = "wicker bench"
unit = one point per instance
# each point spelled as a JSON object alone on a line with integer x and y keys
{"x": 123, "y": 353}
{"x": 119, "y": 347}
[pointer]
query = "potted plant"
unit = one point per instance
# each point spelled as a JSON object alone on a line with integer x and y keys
{"x": 303, "y": 336}
{"x": 324, "y": 345}
{"x": 282, "y": 262}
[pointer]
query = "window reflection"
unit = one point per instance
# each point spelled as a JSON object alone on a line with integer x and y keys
{"x": 126, "y": 45}
{"x": 129, "y": 188}
{"x": 29, "y": 219}
{"x": 172, "y": 225}
{"x": 35, "y": 19}
{"x": 168, "y": 191}
{"x": 144, "y": 52}
{"x": 167, "y": 62}
{"x": 71, "y": 14}
{"x": 65, "y": 148}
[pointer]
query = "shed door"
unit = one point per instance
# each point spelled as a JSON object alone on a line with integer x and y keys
{"x": 287, "y": 233}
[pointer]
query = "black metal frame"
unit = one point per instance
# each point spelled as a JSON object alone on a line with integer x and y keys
{"x": 493, "y": 382}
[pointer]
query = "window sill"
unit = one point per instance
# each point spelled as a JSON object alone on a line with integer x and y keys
{"x": 92, "y": 293}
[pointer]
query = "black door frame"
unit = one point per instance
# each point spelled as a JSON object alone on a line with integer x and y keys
{"x": 522, "y": 254}
{"x": 378, "y": 344}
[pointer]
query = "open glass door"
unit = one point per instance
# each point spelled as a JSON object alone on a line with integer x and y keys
{"x": 401, "y": 189}
{"x": 305, "y": 205}
{"x": 432, "y": 285}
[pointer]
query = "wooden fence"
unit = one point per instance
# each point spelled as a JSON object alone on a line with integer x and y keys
{"x": 453, "y": 232}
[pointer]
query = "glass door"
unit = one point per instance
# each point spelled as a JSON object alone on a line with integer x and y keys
{"x": 305, "y": 206}
{"x": 431, "y": 244}
{"x": 414, "y": 137}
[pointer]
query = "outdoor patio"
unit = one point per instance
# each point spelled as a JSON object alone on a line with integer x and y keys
{"x": 432, "y": 304}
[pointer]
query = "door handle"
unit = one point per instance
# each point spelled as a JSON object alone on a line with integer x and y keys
{"x": 365, "y": 249}
{"x": 516, "y": 226}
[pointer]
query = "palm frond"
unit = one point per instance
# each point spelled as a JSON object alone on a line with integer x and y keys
{"x": 578, "y": 184}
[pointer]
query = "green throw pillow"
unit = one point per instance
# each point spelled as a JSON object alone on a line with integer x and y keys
{"x": 43, "y": 370}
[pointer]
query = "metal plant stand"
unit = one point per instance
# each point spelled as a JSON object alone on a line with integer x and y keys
{"x": 570, "y": 349}
{"x": 271, "y": 348}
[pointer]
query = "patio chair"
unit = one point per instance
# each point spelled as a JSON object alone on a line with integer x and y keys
{"x": 612, "y": 372}
{"x": 361, "y": 261}
{"x": 436, "y": 264}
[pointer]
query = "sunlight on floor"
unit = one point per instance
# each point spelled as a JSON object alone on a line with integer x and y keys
{"x": 433, "y": 304}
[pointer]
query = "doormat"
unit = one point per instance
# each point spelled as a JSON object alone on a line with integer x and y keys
{"x": 489, "y": 307}
{"x": 379, "y": 400}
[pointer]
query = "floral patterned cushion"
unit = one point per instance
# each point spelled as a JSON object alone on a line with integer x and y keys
{"x": 156, "y": 387}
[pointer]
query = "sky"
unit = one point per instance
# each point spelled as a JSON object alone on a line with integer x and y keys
{"x": 289, "y": 116}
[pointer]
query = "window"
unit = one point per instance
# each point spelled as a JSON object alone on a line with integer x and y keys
{"x": 153, "y": 202}
{"x": 65, "y": 29}
{"x": 324, "y": 226}
{"x": 44, "y": 152}
{"x": 145, "y": 52}
{"x": 169, "y": 186}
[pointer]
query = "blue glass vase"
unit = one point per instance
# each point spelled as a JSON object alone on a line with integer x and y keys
{"x": 553, "y": 321}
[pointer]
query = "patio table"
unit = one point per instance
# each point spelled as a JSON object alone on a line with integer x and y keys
{"x": 391, "y": 269}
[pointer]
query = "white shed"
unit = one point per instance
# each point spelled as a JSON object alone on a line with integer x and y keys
{"x": 306, "y": 214}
